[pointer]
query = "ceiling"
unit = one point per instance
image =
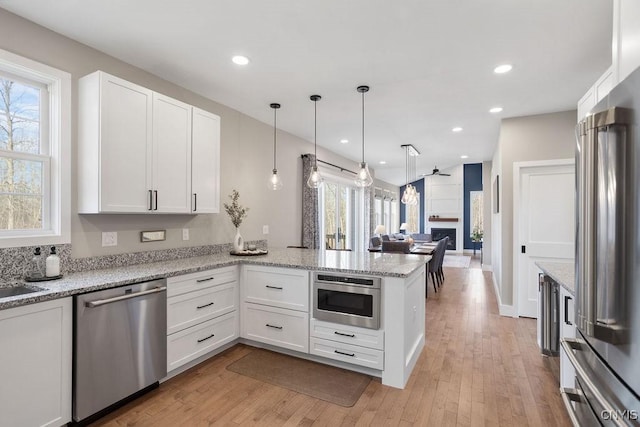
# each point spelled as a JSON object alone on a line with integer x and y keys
{"x": 429, "y": 63}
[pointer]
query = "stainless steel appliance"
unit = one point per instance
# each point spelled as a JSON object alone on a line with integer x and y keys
{"x": 606, "y": 352}
{"x": 549, "y": 318}
{"x": 120, "y": 345}
{"x": 348, "y": 300}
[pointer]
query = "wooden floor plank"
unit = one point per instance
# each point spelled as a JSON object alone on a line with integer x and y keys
{"x": 477, "y": 369}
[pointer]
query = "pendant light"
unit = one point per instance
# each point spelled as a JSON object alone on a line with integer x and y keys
{"x": 363, "y": 177}
{"x": 410, "y": 194}
{"x": 275, "y": 183}
{"x": 315, "y": 179}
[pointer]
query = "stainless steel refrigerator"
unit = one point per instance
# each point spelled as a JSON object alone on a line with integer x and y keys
{"x": 606, "y": 351}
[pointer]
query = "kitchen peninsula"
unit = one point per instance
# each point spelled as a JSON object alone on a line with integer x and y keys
{"x": 398, "y": 341}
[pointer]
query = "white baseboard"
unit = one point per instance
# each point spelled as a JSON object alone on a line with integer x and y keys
{"x": 503, "y": 309}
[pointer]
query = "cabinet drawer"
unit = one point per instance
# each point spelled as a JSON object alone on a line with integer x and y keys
{"x": 347, "y": 334}
{"x": 278, "y": 287}
{"x": 191, "y": 343}
{"x": 203, "y": 279}
{"x": 276, "y": 326}
{"x": 195, "y": 307}
{"x": 347, "y": 353}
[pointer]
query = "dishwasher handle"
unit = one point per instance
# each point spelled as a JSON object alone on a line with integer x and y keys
{"x": 99, "y": 302}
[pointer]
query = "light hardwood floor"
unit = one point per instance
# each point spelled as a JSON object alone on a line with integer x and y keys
{"x": 477, "y": 368}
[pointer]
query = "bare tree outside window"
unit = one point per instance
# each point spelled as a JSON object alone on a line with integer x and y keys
{"x": 22, "y": 164}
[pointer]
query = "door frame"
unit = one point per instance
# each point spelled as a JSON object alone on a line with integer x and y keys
{"x": 517, "y": 170}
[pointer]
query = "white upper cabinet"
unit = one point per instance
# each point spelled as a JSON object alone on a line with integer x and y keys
{"x": 171, "y": 177}
{"x": 205, "y": 166}
{"x": 135, "y": 151}
{"x": 114, "y": 150}
{"x": 626, "y": 33}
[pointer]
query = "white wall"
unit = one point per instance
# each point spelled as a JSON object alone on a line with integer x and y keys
{"x": 540, "y": 137}
{"x": 487, "y": 245}
{"x": 246, "y": 150}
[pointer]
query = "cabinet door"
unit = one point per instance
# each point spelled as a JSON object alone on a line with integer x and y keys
{"x": 125, "y": 145}
{"x": 35, "y": 364}
{"x": 205, "y": 172}
{"x": 171, "y": 155}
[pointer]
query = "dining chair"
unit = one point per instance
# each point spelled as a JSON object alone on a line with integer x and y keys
{"x": 397, "y": 247}
{"x": 385, "y": 237}
{"x": 436, "y": 264}
{"x": 375, "y": 242}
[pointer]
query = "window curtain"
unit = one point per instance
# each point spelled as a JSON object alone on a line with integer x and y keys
{"x": 310, "y": 217}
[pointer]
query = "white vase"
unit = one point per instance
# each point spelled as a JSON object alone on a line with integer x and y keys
{"x": 238, "y": 242}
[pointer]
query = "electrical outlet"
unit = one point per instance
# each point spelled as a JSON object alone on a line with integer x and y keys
{"x": 110, "y": 238}
{"x": 185, "y": 234}
{"x": 265, "y": 229}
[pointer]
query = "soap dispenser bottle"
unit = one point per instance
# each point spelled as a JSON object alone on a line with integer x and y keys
{"x": 37, "y": 265}
{"x": 53, "y": 263}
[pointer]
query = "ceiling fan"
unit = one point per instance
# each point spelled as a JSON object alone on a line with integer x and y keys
{"x": 436, "y": 171}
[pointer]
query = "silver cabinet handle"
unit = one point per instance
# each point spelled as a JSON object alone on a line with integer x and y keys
{"x": 345, "y": 354}
{"x": 99, "y": 302}
{"x": 203, "y": 306}
{"x": 195, "y": 202}
{"x": 571, "y": 395}
{"x": 344, "y": 335}
{"x": 155, "y": 193}
{"x": 273, "y": 326}
{"x": 570, "y": 345}
{"x": 204, "y": 280}
{"x": 274, "y": 287}
{"x": 150, "y": 200}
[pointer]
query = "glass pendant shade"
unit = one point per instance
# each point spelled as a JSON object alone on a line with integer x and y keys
{"x": 275, "y": 183}
{"x": 363, "y": 177}
{"x": 315, "y": 179}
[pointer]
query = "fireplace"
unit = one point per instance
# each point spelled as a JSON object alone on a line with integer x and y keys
{"x": 441, "y": 233}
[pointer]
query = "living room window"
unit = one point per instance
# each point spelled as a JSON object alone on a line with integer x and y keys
{"x": 34, "y": 152}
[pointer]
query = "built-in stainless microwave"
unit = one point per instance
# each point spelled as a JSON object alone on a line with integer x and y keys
{"x": 346, "y": 299}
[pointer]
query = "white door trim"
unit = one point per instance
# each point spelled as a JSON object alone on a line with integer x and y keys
{"x": 517, "y": 168}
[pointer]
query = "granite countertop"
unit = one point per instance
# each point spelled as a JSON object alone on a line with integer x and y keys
{"x": 563, "y": 273}
{"x": 377, "y": 264}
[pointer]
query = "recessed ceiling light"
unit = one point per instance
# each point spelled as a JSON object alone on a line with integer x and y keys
{"x": 344, "y": 141}
{"x": 456, "y": 129}
{"x": 240, "y": 60}
{"x": 501, "y": 69}
{"x": 464, "y": 157}
{"x": 382, "y": 162}
{"x": 495, "y": 110}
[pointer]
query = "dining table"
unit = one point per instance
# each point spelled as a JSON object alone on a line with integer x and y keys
{"x": 418, "y": 248}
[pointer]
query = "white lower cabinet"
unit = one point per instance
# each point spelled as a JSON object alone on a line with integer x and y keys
{"x": 350, "y": 344}
{"x": 202, "y": 314}
{"x": 35, "y": 364}
{"x": 567, "y": 330}
{"x": 193, "y": 342}
{"x": 276, "y": 326}
{"x": 347, "y": 353}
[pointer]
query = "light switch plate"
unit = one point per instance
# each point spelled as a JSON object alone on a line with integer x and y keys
{"x": 185, "y": 234}
{"x": 265, "y": 229}
{"x": 110, "y": 238}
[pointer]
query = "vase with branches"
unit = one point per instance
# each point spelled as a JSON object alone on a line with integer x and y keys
{"x": 236, "y": 213}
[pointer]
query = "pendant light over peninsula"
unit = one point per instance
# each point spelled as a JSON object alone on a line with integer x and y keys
{"x": 275, "y": 183}
{"x": 315, "y": 179}
{"x": 363, "y": 177}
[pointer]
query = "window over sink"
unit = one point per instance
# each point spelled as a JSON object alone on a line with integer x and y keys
{"x": 34, "y": 152}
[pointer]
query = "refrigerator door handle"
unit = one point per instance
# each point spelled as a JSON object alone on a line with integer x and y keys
{"x": 570, "y": 346}
{"x": 571, "y": 395}
{"x": 600, "y": 185}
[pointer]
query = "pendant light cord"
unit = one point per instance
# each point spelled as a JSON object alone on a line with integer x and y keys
{"x": 275, "y": 110}
{"x": 363, "y": 127}
{"x": 315, "y": 131}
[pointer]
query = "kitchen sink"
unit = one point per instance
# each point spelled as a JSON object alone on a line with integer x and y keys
{"x": 13, "y": 291}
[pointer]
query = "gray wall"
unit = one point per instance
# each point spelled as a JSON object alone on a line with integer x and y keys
{"x": 541, "y": 137}
{"x": 486, "y": 215}
{"x": 246, "y": 157}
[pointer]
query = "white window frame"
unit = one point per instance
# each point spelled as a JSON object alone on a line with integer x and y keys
{"x": 58, "y": 228}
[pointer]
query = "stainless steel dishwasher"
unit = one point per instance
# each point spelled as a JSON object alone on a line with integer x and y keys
{"x": 120, "y": 346}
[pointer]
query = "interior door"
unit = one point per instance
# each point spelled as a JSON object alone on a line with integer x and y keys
{"x": 546, "y": 231}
